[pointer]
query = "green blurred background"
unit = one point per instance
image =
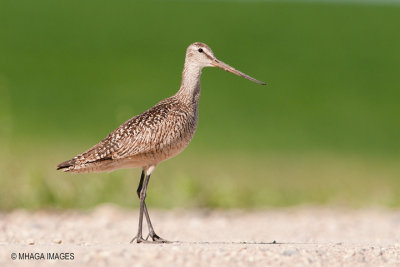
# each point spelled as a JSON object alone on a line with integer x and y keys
{"x": 324, "y": 131}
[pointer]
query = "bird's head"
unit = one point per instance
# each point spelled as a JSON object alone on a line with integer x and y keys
{"x": 201, "y": 55}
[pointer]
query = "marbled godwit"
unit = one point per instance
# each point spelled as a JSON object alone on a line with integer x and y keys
{"x": 156, "y": 135}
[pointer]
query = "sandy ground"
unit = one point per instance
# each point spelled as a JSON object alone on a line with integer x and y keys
{"x": 285, "y": 237}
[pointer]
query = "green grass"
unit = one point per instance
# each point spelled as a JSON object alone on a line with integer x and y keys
{"x": 324, "y": 130}
{"x": 198, "y": 178}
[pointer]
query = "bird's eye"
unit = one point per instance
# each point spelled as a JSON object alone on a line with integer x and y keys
{"x": 200, "y": 50}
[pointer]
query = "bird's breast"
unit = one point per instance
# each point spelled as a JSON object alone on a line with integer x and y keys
{"x": 176, "y": 136}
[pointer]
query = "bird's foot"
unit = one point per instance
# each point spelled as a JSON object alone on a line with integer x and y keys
{"x": 156, "y": 238}
{"x": 140, "y": 239}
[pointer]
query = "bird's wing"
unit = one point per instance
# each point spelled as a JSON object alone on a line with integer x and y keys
{"x": 140, "y": 134}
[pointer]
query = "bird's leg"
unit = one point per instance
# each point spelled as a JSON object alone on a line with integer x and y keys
{"x": 151, "y": 234}
{"x": 146, "y": 213}
{"x": 142, "y": 196}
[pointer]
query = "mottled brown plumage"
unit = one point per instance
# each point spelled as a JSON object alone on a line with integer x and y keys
{"x": 145, "y": 140}
{"x": 156, "y": 135}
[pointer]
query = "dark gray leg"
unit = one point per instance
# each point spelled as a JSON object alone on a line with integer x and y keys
{"x": 141, "y": 192}
{"x": 142, "y": 196}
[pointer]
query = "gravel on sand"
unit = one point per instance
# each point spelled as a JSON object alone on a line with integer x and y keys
{"x": 299, "y": 236}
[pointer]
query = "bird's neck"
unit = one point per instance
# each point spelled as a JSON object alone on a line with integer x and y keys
{"x": 190, "y": 87}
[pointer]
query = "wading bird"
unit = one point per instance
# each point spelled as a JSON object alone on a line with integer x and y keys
{"x": 156, "y": 135}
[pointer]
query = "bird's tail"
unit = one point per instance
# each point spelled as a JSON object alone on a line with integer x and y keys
{"x": 66, "y": 166}
{"x": 84, "y": 163}
{"x": 92, "y": 160}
